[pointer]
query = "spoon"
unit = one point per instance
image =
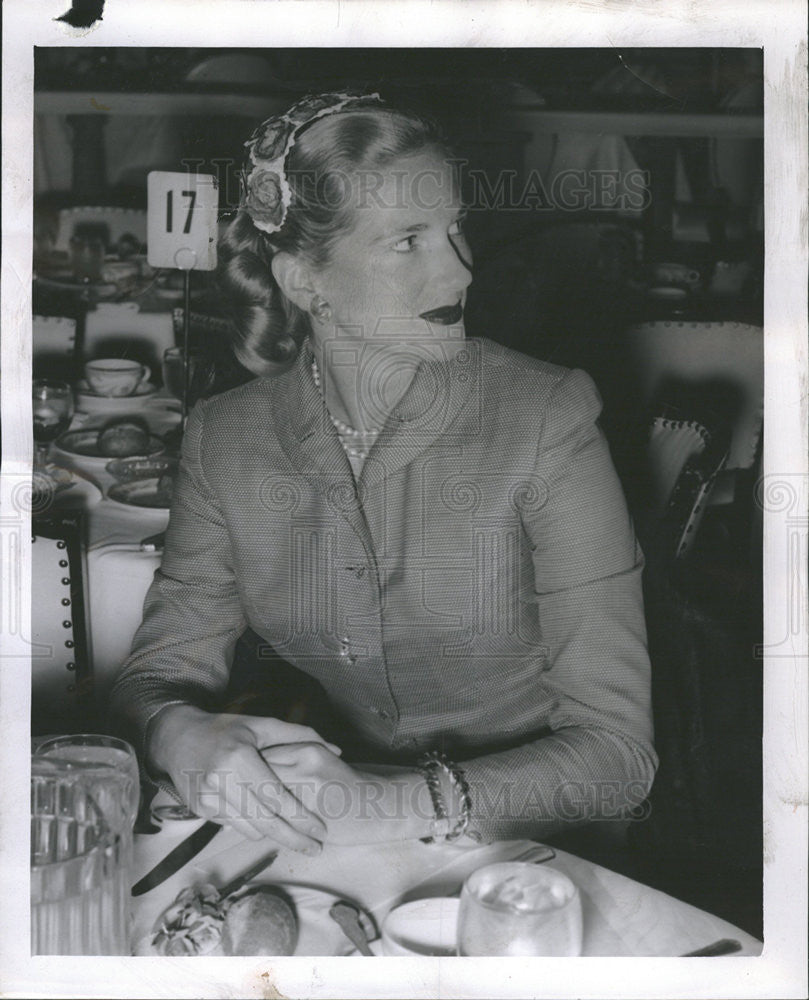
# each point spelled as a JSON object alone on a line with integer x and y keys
{"x": 348, "y": 917}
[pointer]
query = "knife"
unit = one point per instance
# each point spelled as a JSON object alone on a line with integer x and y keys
{"x": 724, "y": 946}
{"x": 177, "y": 857}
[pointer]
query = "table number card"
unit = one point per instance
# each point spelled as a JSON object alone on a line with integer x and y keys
{"x": 181, "y": 224}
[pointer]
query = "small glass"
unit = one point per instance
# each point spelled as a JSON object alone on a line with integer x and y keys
{"x": 516, "y": 908}
{"x": 52, "y": 404}
{"x": 80, "y": 868}
{"x": 87, "y": 257}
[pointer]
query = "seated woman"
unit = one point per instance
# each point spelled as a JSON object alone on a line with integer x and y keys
{"x": 429, "y": 526}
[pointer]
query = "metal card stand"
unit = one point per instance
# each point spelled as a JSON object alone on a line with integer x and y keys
{"x": 185, "y": 260}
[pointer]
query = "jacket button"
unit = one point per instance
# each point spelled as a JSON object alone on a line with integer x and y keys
{"x": 345, "y": 649}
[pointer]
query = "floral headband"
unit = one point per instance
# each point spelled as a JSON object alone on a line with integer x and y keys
{"x": 266, "y": 193}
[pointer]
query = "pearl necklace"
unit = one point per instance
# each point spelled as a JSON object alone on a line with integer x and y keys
{"x": 345, "y": 430}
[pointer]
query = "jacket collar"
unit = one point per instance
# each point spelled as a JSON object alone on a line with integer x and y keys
{"x": 441, "y": 388}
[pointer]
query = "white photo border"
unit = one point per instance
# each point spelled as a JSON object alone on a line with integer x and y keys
{"x": 780, "y": 28}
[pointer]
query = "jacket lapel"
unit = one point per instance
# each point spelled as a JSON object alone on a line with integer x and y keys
{"x": 309, "y": 440}
{"x": 440, "y": 390}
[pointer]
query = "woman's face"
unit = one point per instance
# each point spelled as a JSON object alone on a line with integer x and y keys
{"x": 404, "y": 268}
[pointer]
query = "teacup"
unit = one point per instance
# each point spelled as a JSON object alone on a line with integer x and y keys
{"x": 422, "y": 927}
{"x": 115, "y": 376}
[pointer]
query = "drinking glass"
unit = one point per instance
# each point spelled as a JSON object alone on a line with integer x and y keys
{"x": 80, "y": 869}
{"x": 52, "y": 404}
{"x": 516, "y": 908}
{"x": 87, "y": 248}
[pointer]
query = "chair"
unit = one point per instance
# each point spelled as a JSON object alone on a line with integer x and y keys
{"x": 721, "y": 364}
{"x": 119, "y": 222}
{"x": 684, "y": 459}
{"x": 703, "y": 619}
{"x": 120, "y": 329}
{"x": 53, "y": 346}
{"x": 61, "y": 674}
{"x": 119, "y": 576}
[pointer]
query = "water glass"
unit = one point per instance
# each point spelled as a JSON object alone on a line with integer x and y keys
{"x": 80, "y": 868}
{"x": 516, "y": 908}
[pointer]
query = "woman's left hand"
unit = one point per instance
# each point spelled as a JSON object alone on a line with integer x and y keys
{"x": 357, "y": 806}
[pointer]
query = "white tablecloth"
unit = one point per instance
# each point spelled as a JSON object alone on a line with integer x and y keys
{"x": 621, "y": 916}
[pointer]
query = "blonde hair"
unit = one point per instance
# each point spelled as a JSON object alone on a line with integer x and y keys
{"x": 267, "y": 328}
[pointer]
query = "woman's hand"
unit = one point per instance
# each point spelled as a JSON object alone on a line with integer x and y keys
{"x": 216, "y": 766}
{"x": 358, "y": 807}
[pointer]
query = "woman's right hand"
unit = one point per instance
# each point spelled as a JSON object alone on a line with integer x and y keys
{"x": 215, "y": 764}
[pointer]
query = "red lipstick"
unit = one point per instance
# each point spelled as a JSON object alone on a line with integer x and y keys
{"x": 445, "y": 315}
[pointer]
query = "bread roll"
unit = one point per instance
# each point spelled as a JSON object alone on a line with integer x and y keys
{"x": 123, "y": 439}
{"x": 261, "y": 922}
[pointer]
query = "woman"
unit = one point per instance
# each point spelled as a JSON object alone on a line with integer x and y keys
{"x": 428, "y": 526}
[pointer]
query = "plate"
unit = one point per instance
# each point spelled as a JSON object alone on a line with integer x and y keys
{"x": 318, "y": 935}
{"x": 84, "y": 444}
{"x": 141, "y": 493}
{"x": 55, "y": 487}
{"x": 144, "y": 389}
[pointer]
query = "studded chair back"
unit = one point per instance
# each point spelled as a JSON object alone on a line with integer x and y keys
{"x": 118, "y": 221}
{"x": 61, "y": 697}
{"x": 120, "y": 329}
{"x": 684, "y": 459}
{"x": 721, "y": 362}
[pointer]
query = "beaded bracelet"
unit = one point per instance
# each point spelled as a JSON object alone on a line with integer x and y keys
{"x": 431, "y": 765}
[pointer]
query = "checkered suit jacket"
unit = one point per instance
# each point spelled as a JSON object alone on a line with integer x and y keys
{"x": 477, "y": 589}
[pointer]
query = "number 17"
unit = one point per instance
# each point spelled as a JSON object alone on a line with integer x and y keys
{"x": 192, "y": 196}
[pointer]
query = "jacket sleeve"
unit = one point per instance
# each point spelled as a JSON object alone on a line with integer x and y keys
{"x": 192, "y": 614}
{"x": 598, "y": 760}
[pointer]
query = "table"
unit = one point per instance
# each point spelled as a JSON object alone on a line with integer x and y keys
{"x": 621, "y": 916}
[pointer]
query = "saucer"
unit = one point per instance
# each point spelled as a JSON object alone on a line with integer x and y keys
{"x": 91, "y": 402}
{"x": 144, "y": 389}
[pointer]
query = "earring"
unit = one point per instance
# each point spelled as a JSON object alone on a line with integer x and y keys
{"x": 320, "y": 309}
